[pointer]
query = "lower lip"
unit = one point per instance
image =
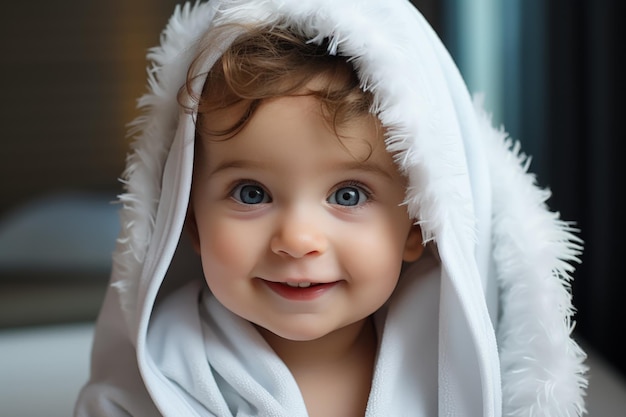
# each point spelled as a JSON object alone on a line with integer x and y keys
{"x": 300, "y": 293}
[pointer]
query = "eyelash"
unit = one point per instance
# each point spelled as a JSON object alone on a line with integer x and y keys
{"x": 354, "y": 184}
{"x": 247, "y": 182}
{"x": 350, "y": 183}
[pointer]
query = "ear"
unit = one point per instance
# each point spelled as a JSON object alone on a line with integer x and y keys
{"x": 413, "y": 248}
{"x": 192, "y": 230}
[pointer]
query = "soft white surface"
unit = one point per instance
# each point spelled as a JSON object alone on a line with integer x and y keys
{"x": 42, "y": 369}
{"x": 69, "y": 231}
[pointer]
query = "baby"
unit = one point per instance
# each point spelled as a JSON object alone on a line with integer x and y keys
{"x": 357, "y": 221}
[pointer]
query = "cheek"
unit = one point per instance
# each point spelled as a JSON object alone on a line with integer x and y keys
{"x": 222, "y": 249}
{"x": 374, "y": 269}
{"x": 375, "y": 252}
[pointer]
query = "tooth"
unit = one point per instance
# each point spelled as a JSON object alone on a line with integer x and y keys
{"x": 299, "y": 284}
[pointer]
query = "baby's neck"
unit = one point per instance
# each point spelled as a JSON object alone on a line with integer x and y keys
{"x": 334, "y": 373}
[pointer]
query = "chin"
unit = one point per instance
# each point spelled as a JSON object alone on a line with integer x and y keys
{"x": 299, "y": 332}
{"x": 299, "y": 335}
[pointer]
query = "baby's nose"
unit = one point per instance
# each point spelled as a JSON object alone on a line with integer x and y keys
{"x": 299, "y": 235}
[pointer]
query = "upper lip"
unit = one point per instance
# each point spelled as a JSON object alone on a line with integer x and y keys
{"x": 300, "y": 282}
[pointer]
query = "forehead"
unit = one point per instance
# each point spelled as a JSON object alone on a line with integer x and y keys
{"x": 294, "y": 119}
{"x": 295, "y": 127}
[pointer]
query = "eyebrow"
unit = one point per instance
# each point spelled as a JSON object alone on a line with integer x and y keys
{"x": 365, "y": 166}
{"x": 235, "y": 163}
{"x": 369, "y": 166}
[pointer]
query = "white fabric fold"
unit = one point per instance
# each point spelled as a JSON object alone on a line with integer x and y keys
{"x": 406, "y": 370}
{"x": 226, "y": 368}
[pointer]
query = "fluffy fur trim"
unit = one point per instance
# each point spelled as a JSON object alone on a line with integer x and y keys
{"x": 152, "y": 133}
{"x": 534, "y": 250}
{"x": 428, "y": 147}
{"x": 421, "y": 100}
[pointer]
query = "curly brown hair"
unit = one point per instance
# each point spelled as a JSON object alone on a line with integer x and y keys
{"x": 265, "y": 63}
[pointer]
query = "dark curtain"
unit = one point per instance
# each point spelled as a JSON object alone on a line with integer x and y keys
{"x": 582, "y": 161}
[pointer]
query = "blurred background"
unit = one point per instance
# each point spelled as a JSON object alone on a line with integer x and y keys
{"x": 70, "y": 75}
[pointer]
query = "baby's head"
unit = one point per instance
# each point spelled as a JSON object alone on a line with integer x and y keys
{"x": 267, "y": 63}
{"x": 296, "y": 206}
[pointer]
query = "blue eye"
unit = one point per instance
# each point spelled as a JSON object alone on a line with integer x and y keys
{"x": 348, "y": 196}
{"x": 250, "y": 194}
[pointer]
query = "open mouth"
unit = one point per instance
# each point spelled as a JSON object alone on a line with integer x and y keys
{"x": 300, "y": 284}
{"x": 300, "y": 291}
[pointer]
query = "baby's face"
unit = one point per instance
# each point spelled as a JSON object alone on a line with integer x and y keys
{"x": 299, "y": 232}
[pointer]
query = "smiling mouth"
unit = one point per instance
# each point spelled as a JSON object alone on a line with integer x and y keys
{"x": 300, "y": 284}
{"x": 300, "y": 291}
